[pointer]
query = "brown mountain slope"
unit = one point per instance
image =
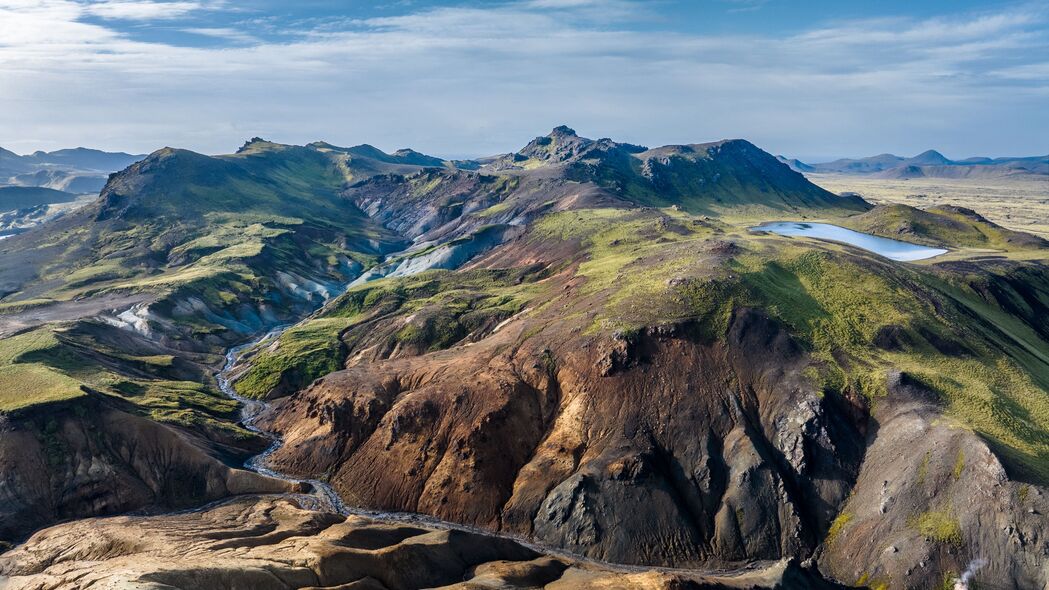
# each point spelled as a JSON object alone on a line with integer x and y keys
{"x": 668, "y": 391}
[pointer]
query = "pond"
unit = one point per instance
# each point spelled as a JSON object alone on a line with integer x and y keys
{"x": 892, "y": 249}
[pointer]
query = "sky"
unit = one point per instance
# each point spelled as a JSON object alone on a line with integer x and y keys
{"x": 817, "y": 79}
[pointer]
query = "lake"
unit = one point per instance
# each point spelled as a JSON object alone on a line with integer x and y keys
{"x": 892, "y": 249}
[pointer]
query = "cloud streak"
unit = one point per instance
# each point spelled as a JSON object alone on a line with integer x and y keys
{"x": 461, "y": 80}
{"x": 140, "y": 9}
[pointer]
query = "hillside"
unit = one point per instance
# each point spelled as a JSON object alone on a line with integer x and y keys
{"x": 942, "y": 226}
{"x": 191, "y": 227}
{"x": 507, "y": 396}
{"x": 580, "y": 344}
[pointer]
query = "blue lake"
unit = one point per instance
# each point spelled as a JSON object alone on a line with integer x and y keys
{"x": 892, "y": 249}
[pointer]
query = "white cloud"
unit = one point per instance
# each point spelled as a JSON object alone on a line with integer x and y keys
{"x": 140, "y": 9}
{"x": 484, "y": 79}
{"x": 227, "y": 33}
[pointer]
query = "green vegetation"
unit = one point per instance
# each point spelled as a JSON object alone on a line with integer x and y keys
{"x": 939, "y": 525}
{"x": 923, "y": 468}
{"x": 441, "y": 309}
{"x": 494, "y": 210}
{"x": 50, "y": 365}
{"x": 24, "y": 383}
{"x": 301, "y": 354}
{"x": 959, "y": 465}
{"x": 977, "y": 338}
{"x": 942, "y": 226}
{"x": 867, "y": 581}
{"x": 838, "y": 526}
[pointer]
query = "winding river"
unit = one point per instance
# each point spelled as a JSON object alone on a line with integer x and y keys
{"x": 322, "y": 497}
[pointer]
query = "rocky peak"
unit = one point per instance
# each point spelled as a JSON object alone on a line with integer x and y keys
{"x": 563, "y": 131}
{"x": 560, "y": 145}
{"x": 930, "y": 157}
{"x": 254, "y": 144}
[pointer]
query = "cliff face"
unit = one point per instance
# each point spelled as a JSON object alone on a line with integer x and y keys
{"x": 706, "y": 452}
{"x": 933, "y": 498}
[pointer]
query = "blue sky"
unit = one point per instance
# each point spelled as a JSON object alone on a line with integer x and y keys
{"x": 816, "y": 79}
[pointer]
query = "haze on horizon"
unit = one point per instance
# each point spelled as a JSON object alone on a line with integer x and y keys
{"x": 468, "y": 78}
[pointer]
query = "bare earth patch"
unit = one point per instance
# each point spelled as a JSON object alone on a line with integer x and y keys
{"x": 18, "y": 320}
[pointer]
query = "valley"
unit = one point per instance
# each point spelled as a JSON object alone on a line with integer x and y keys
{"x": 577, "y": 365}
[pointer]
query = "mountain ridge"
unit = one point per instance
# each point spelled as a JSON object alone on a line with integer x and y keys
{"x": 78, "y": 170}
{"x": 929, "y": 163}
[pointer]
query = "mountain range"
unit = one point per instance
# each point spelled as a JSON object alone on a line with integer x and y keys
{"x": 930, "y": 163}
{"x": 575, "y": 365}
{"x": 77, "y": 170}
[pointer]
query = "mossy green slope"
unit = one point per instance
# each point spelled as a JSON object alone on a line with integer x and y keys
{"x": 942, "y": 226}
{"x": 442, "y": 308}
{"x": 52, "y": 364}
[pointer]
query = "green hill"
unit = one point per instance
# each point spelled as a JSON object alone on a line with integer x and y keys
{"x": 260, "y": 232}
{"x": 942, "y": 226}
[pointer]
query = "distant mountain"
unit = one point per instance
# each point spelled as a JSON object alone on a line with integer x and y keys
{"x": 78, "y": 170}
{"x": 20, "y": 197}
{"x": 85, "y": 159}
{"x": 795, "y": 164}
{"x": 930, "y": 164}
{"x": 79, "y": 183}
{"x": 929, "y": 158}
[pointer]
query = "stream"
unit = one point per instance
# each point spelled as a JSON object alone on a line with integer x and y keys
{"x": 322, "y": 497}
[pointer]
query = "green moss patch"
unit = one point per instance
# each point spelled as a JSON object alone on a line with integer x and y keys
{"x": 837, "y": 527}
{"x": 939, "y": 525}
